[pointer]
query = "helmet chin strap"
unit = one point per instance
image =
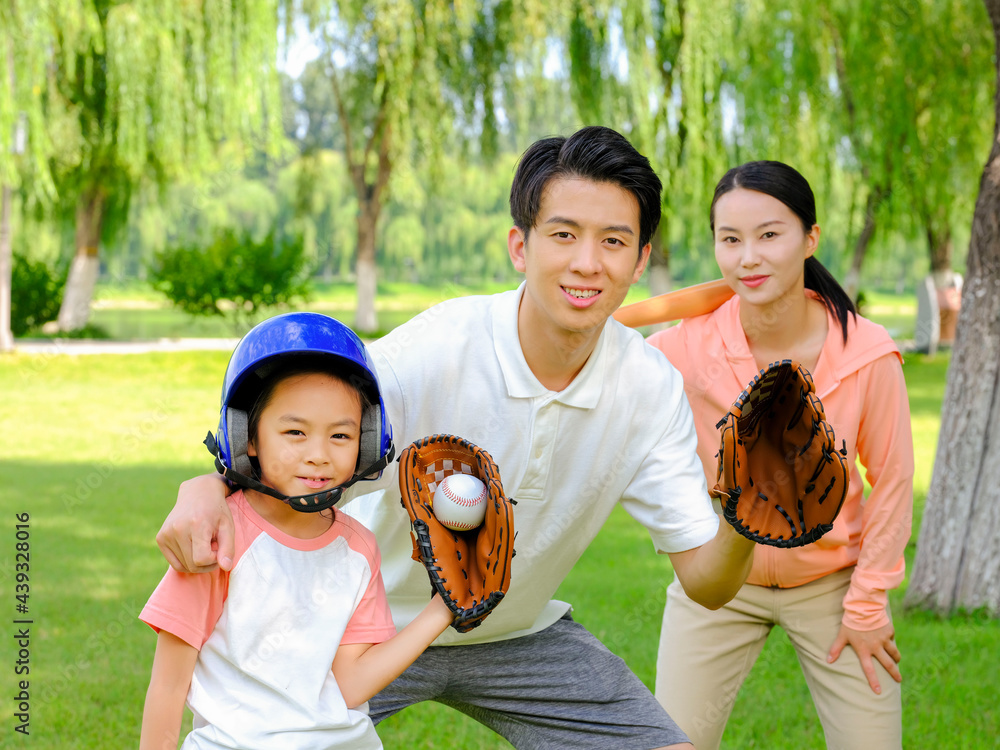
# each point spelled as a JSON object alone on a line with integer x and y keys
{"x": 313, "y": 503}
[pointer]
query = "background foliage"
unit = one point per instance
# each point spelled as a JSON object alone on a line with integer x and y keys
{"x": 36, "y": 294}
{"x": 861, "y": 96}
{"x": 235, "y": 276}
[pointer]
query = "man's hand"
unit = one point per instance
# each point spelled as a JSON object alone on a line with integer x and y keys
{"x": 197, "y": 535}
{"x": 879, "y": 643}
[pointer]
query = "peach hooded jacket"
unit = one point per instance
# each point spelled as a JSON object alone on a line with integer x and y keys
{"x": 863, "y": 392}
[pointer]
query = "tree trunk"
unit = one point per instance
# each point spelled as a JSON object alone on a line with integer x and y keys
{"x": 365, "y": 318}
{"x": 947, "y": 285}
{"x": 852, "y": 284}
{"x": 6, "y": 244}
{"x": 75, "y": 310}
{"x": 327, "y": 272}
{"x": 6, "y": 270}
{"x": 660, "y": 281}
{"x": 958, "y": 553}
{"x": 370, "y": 198}
{"x": 939, "y": 242}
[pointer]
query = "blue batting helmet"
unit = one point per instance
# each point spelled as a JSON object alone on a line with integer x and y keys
{"x": 264, "y": 350}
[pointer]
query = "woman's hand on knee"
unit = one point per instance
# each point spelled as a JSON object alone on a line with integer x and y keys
{"x": 877, "y": 644}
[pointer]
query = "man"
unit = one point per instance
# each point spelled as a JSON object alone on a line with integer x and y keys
{"x": 580, "y": 414}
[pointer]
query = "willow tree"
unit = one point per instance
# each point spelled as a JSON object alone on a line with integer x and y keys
{"x": 900, "y": 74}
{"x": 945, "y": 47}
{"x": 879, "y": 85}
{"x": 7, "y": 176}
{"x": 811, "y": 85}
{"x": 674, "y": 55}
{"x": 872, "y": 114}
{"x": 156, "y": 87}
{"x": 411, "y": 79}
{"x": 28, "y": 34}
{"x": 958, "y": 552}
{"x": 660, "y": 81}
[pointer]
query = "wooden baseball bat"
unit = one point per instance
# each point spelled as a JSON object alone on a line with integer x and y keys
{"x": 680, "y": 303}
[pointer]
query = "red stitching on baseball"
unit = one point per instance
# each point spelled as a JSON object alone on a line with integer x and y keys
{"x": 467, "y": 502}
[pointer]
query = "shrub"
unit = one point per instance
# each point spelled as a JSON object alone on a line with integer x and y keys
{"x": 234, "y": 276}
{"x": 36, "y": 294}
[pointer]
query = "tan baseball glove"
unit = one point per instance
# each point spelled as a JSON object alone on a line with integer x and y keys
{"x": 781, "y": 478}
{"x": 469, "y": 569}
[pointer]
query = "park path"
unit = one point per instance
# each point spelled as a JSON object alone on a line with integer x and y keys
{"x": 97, "y": 346}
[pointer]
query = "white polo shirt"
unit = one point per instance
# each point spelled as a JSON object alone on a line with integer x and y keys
{"x": 622, "y": 431}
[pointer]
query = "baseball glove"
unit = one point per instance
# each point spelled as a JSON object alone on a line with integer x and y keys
{"x": 781, "y": 478}
{"x": 469, "y": 569}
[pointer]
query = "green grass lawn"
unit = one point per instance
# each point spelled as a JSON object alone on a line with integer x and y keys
{"x": 898, "y": 313}
{"x": 95, "y": 446}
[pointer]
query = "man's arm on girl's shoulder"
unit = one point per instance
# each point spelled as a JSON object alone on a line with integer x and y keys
{"x": 363, "y": 669}
{"x": 197, "y": 535}
{"x": 173, "y": 665}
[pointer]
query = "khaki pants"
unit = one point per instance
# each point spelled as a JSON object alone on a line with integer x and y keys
{"x": 706, "y": 655}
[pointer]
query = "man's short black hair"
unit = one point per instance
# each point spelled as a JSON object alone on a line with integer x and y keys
{"x": 593, "y": 153}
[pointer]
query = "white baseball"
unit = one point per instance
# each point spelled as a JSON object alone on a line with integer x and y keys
{"x": 460, "y": 502}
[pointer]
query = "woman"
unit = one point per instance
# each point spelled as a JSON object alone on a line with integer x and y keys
{"x": 832, "y": 593}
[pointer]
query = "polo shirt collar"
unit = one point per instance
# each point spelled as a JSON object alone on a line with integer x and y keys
{"x": 585, "y": 390}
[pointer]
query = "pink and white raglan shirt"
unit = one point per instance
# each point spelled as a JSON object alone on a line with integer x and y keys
{"x": 268, "y": 632}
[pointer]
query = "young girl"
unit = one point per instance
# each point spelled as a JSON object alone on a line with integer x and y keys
{"x": 832, "y": 593}
{"x": 285, "y": 650}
